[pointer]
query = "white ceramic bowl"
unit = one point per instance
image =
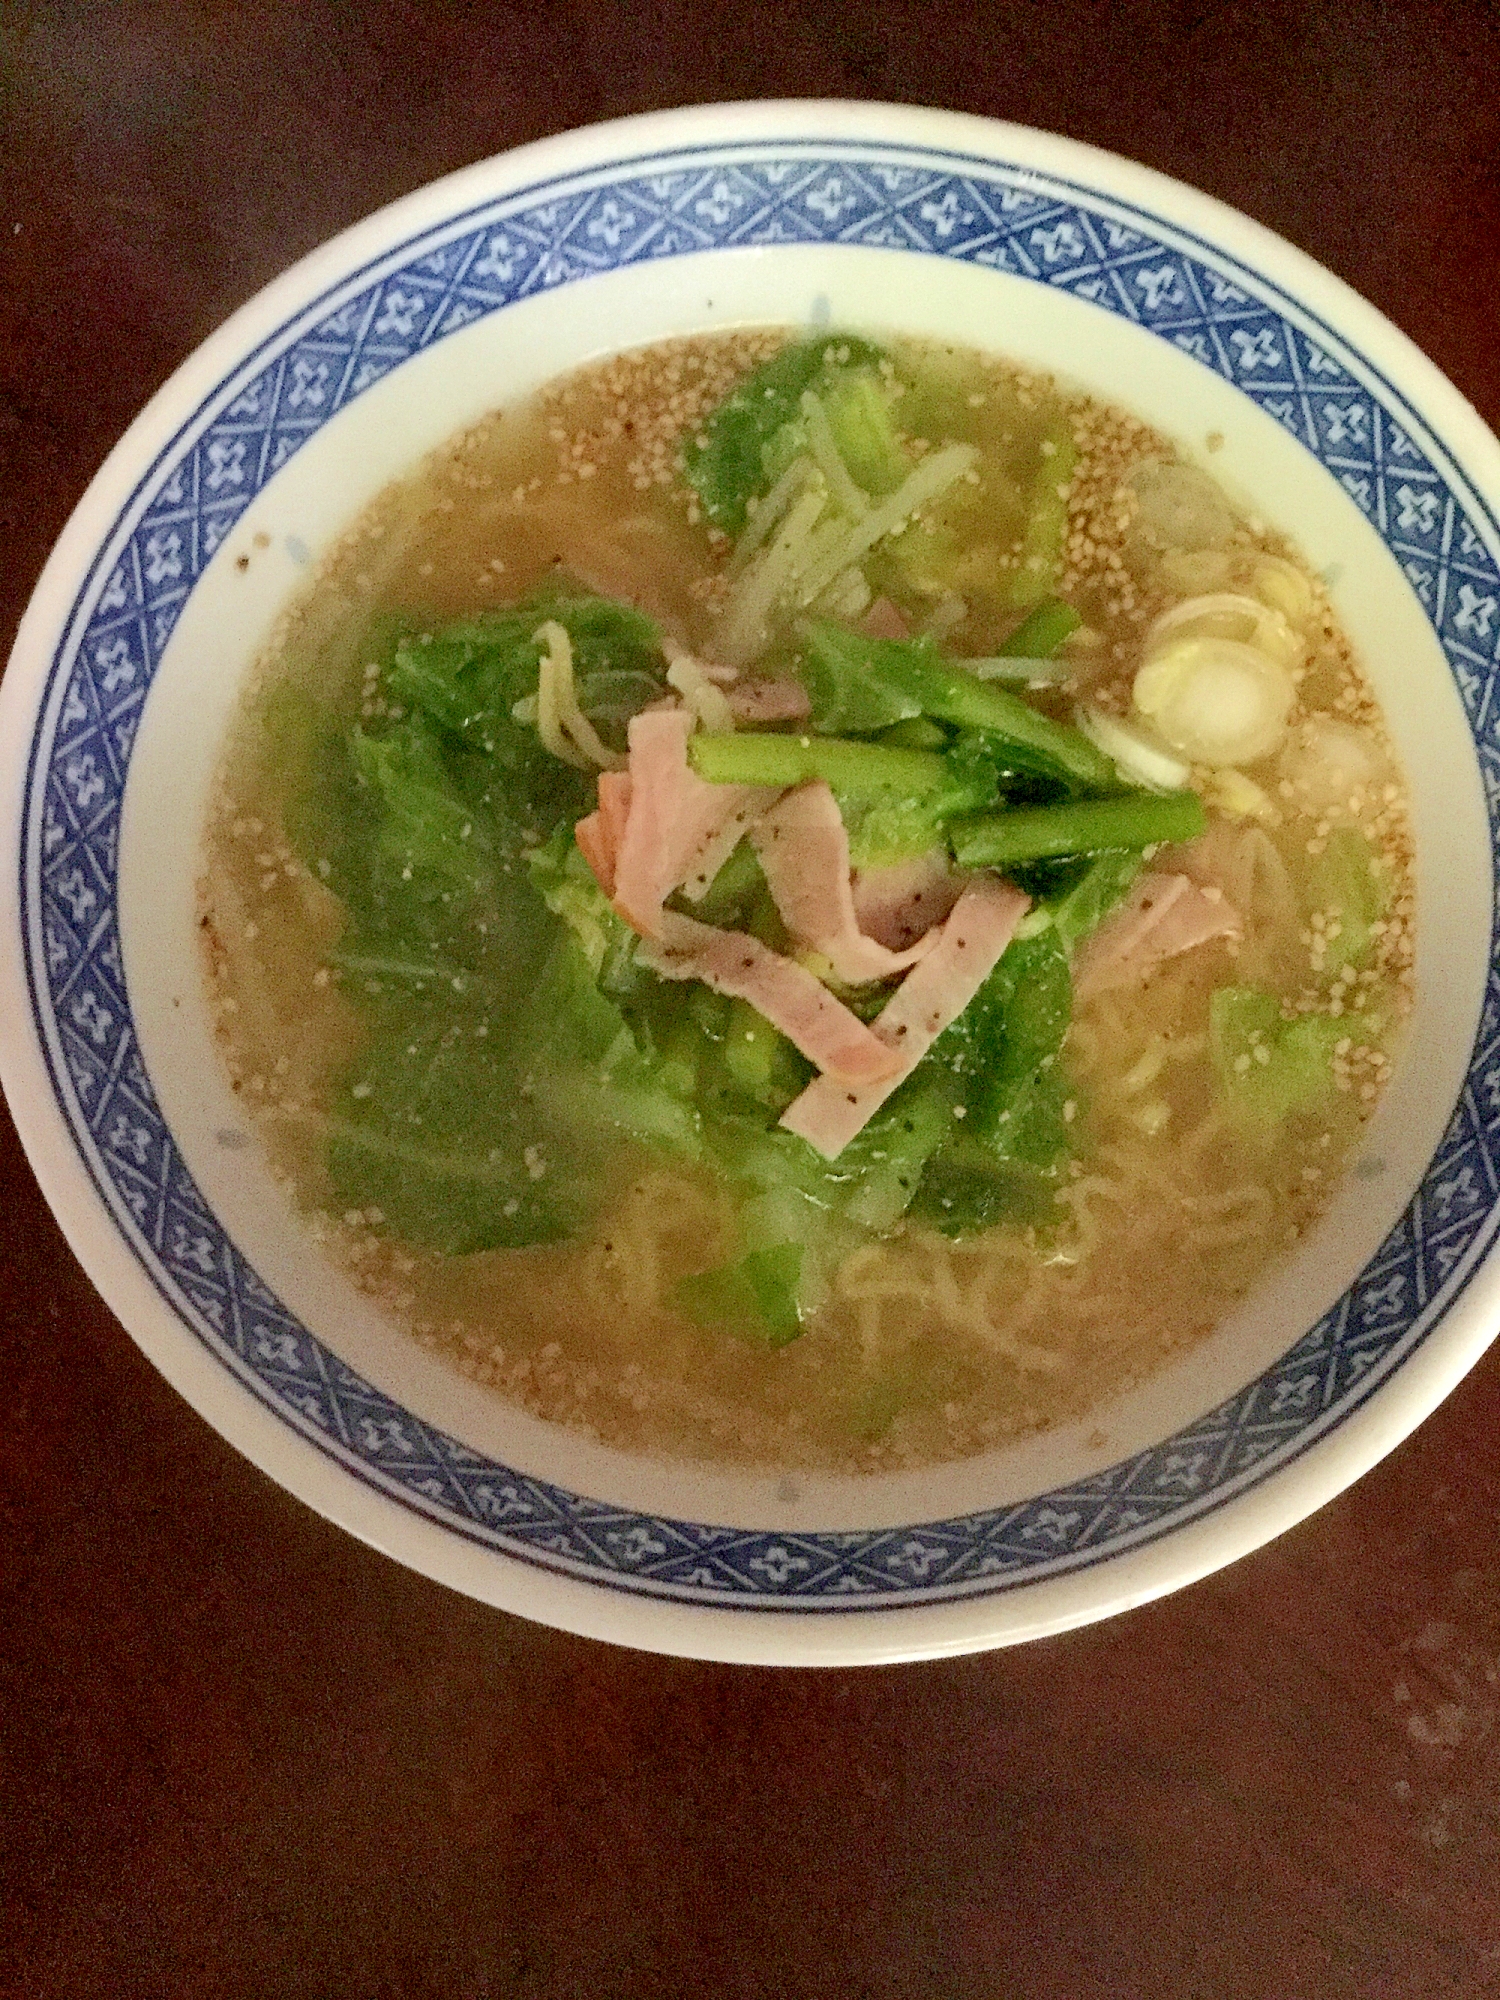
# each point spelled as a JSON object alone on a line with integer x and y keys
{"x": 338, "y": 377}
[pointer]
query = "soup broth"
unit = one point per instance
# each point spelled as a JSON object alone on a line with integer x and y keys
{"x": 1178, "y": 1176}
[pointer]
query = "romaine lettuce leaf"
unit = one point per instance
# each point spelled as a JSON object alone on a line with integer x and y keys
{"x": 735, "y": 457}
{"x": 1081, "y": 894}
{"x": 1348, "y": 885}
{"x": 858, "y": 684}
{"x": 1270, "y": 1069}
{"x": 755, "y": 1297}
{"x": 570, "y": 889}
{"x": 864, "y": 429}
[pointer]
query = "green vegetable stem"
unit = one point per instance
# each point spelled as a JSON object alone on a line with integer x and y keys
{"x": 859, "y": 683}
{"x": 859, "y": 770}
{"x": 1084, "y": 826}
{"x": 1041, "y": 631}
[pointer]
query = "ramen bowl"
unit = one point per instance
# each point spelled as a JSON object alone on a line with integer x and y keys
{"x": 207, "y": 519}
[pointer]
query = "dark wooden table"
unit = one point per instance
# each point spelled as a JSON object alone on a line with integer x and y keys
{"x": 242, "y": 1755}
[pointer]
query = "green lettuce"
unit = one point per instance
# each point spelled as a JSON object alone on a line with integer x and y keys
{"x": 755, "y": 1298}
{"x": 1008, "y": 1138}
{"x": 1270, "y": 1069}
{"x": 755, "y": 432}
{"x": 1348, "y": 884}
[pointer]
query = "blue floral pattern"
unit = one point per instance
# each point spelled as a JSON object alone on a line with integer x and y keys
{"x": 937, "y": 205}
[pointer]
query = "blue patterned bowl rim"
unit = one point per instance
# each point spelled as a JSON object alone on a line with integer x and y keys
{"x": 987, "y": 204}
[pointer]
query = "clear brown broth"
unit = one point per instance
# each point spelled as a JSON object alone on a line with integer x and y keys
{"x": 925, "y": 1350}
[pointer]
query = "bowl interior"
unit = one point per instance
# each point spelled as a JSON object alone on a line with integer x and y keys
{"x": 345, "y": 388}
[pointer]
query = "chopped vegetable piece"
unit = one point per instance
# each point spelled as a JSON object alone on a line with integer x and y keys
{"x": 968, "y": 1188}
{"x": 433, "y": 1131}
{"x": 859, "y": 416}
{"x": 455, "y": 1183}
{"x": 732, "y": 460}
{"x": 1218, "y": 701}
{"x": 1011, "y": 1030}
{"x": 1079, "y": 908}
{"x": 1270, "y": 1069}
{"x": 1225, "y": 614}
{"x": 427, "y": 828}
{"x": 1020, "y": 671}
{"x": 1084, "y": 826}
{"x": 858, "y": 770}
{"x": 917, "y": 734}
{"x": 755, "y": 1298}
{"x": 860, "y": 683}
{"x": 1137, "y": 753}
{"x": 570, "y": 890}
{"x": 1350, "y": 894}
{"x": 759, "y": 1061}
{"x": 1042, "y": 630}
{"x": 734, "y": 890}
{"x": 846, "y": 496}
{"x": 1004, "y": 1158}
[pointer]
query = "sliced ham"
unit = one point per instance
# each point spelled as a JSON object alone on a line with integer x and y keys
{"x": 719, "y": 833}
{"x": 599, "y": 835}
{"x": 769, "y": 701}
{"x": 832, "y": 1110}
{"x": 898, "y": 904}
{"x": 1163, "y": 916}
{"x": 786, "y": 993}
{"x": 884, "y": 621}
{"x": 614, "y": 806}
{"x": 678, "y": 828}
{"x": 804, "y": 855}
{"x": 594, "y": 846}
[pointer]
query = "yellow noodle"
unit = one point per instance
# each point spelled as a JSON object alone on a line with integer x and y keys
{"x": 956, "y": 1344}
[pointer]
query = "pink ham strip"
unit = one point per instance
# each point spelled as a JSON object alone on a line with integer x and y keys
{"x": 884, "y": 621}
{"x": 786, "y": 993}
{"x": 830, "y": 1112}
{"x": 678, "y": 828}
{"x": 769, "y": 701}
{"x": 643, "y": 865}
{"x": 594, "y": 846}
{"x": 804, "y": 855}
{"x": 718, "y": 831}
{"x": 614, "y": 806}
{"x": 1163, "y": 916}
{"x": 899, "y": 903}
{"x": 600, "y": 833}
